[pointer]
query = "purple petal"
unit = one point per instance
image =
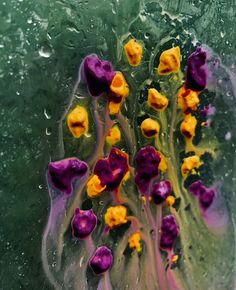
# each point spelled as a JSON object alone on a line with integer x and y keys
{"x": 160, "y": 191}
{"x": 83, "y": 223}
{"x": 112, "y": 170}
{"x": 147, "y": 161}
{"x": 196, "y": 73}
{"x": 98, "y": 74}
{"x": 101, "y": 261}
{"x": 169, "y": 232}
{"x": 62, "y": 173}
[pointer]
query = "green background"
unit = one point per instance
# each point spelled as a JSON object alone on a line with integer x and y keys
{"x": 41, "y": 46}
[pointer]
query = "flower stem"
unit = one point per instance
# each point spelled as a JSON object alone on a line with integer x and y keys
{"x": 155, "y": 244}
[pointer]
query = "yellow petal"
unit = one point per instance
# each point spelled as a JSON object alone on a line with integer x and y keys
{"x": 190, "y": 163}
{"x": 94, "y": 187}
{"x": 115, "y": 216}
{"x": 188, "y": 126}
{"x": 77, "y": 121}
{"x": 150, "y": 128}
{"x": 156, "y": 100}
{"x": 133, "y": 51}
{"x": 169, "y": 61}
{"x": 114, "y": 136}
{"x": 134, "y": 242}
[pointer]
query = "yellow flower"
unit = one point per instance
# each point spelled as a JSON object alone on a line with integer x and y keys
{"x": 187, "y": 100}
{"x": 150, "y": 128}
{"x": 188, "y": 126}
{"x": 156, "y": 100}
{"x": 170, "y": 200}
{"x": 190, "y": 164}
{"x": 119, "y": 90}
{"x": 163, "y": 164}
{"x": 134, "y": 242}
{"x": 133, "y": 51}
{"x": 169, "y": 61}
{"x": 77, "y": 121}
{"x": 113, "y": 136}
{"x": 94, "y": 187}
{"x": 115, "y": 216}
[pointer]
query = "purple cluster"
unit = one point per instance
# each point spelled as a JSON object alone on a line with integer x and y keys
{"x": 160, "y": 191}
{"x": 196, "y": 73}
{"x": 62, "y": 173}
{"x": 112, "y": 169}
{"x": 209, "y": 110}
{"x": 205, "y": 195}
{"x": 101, "y": 260}
{"x": 169, "y": 232}
{"x": 83, "y": 223}
{"x": 97, "y": 74}
{"x": 147, "y": 161}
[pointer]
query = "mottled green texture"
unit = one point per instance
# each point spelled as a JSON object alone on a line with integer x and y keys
{"x": 41, "y": 46}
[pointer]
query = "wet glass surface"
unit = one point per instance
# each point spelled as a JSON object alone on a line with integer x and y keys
{"x": 42, "y": 45}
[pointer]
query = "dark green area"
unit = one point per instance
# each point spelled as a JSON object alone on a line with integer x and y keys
{"x": 41, "y": 46}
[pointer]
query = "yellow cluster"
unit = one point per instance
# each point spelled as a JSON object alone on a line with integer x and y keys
{"x": 190, "y": 164}
{"x": 77, "y": 121}
{"x": 188, "y": 126}
{"x": 134, "y": 242}
{"x": 94, "y": 187}
{"x": 119, "y": 90}
{"x": 162, "y": 165}
{"x": 133, "y": 51}
{"x": 170, "y": 200}
{"x": 113, "y": 136}
{"x": 169, "y": 61}
{"x": 187, "y": 100}
{"x": 150, "y": 128}
{"x": 156, "y": 100}
{"x": 115, "y": 216}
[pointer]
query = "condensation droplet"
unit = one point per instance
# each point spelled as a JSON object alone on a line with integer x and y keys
{"x": 228, "y": 136}
{"x": 48, "y": 132}
{"x": 47, "y": 115}
{"x": 45, "y": 51}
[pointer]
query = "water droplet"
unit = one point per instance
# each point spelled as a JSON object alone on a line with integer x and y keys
{"x": 40, "y": 186}
{"x": 45, "y": 51}
{"x": 228, "y": 136}
{"x": 146, "y": 35}
{"x": 48, "y": 131}
{"x": 222, "y": 34}
{"x": 29, "y": 21}
{"x": 47, "y": 115}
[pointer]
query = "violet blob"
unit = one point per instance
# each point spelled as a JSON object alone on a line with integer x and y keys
{"x": 196, "y": 73}
{"x": 98, "y": 74}
{"x": 83, "y": 223}
{"x": 62, "y": 173}
{"x": 112, "y": 169}
{"x": 169, "y": 232}
{"x": 101, "y": 260}
{"x": 160, "y": 191}
{"x": 205, "y": 195}
{"x": 147, "y": 161}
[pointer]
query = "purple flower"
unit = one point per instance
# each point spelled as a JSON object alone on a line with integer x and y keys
{"x": 160, "y": 191}
{"x": 205, "y": 195}
{"x": 209, "y": 110}
{"x": 62, "y": 173}
{"x": 83, "y": 223}
{"x": 101, "y": 261}
{"x": 169, "y": 232}
{"x": 112, "y": 169}
{"x": 147, "y": 160}
{"x": 97, "y": 74}
{"x": 196, "y": 73}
